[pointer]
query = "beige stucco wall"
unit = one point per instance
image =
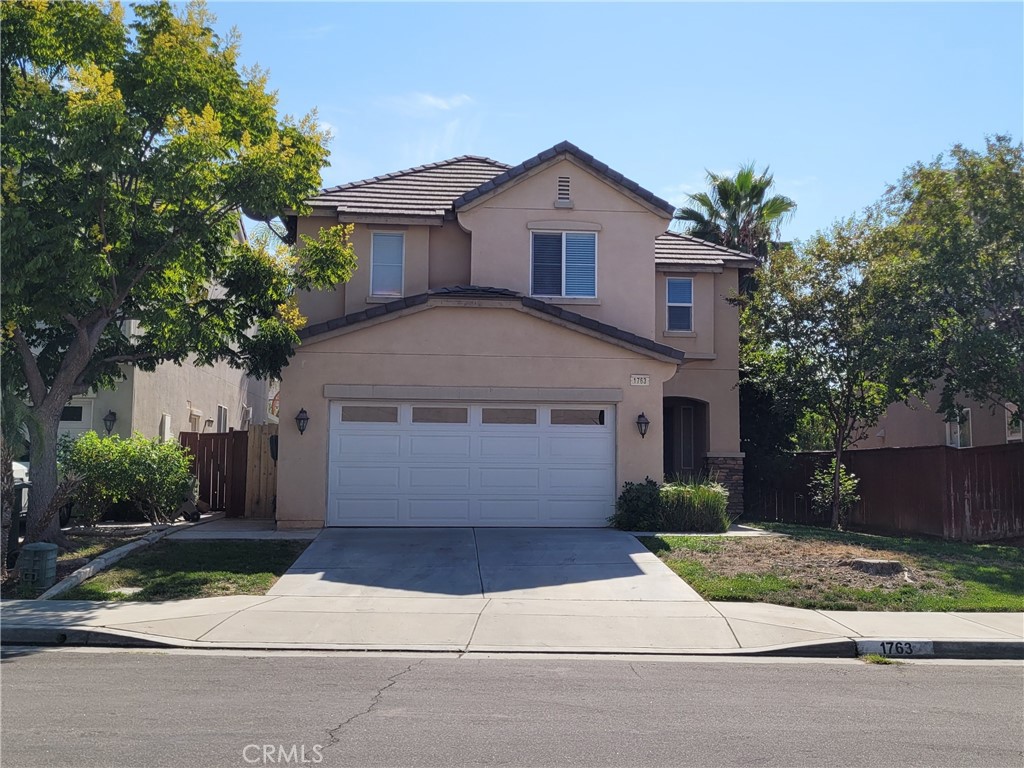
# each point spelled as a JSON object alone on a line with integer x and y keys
{"x": 919, "y": 423}
{"x": 625, "y": 242}
{"x": 174, "y": 389}
{"x": 449, "y": 256}
{"x": 452, "y": 346}
{"x": 711, "y": 370}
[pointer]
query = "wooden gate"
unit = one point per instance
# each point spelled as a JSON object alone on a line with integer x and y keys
{"x": 219, "y": 461}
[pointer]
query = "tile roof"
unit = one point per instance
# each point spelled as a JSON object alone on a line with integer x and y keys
{"x": 587, "y": 159}
{"x": 426, "y": 190}
{"x": 483, "y": 292}
{"x": 676, "y": 248}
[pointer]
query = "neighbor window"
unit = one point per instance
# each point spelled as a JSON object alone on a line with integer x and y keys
{"x": 1014, "y": 431}
{"x": 71, "y": 413}
{"x": 564, "y": 264}
{"x": 680, "y": 304}
{"x": 439, "y": 415}
{"x": 582, "y": 417}
{"x": 958, "y": 433}
{"x": 370, "y": 414}
{"x": 222, "y": 418}
{"x": 387, "y": 261}
{"x": 509, "y": 416}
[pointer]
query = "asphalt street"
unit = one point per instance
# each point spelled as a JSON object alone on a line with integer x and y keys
{"x": 140, "y": 709}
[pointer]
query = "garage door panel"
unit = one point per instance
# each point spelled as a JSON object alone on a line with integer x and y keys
{"x": 510, "y": 511}
{"x": 526, "y": 478}
{"x": 576, "y": 511}
{"x": 582, "y": 479}
{"x": 435, "y": 511}
{"x": 370, "y": 479}
{"x": 580, "y": 448}
{"x": 510, "y": 447}
{"x": 361, "y": 446}
{"x": 493, "y": 473}
{"x": 366, "y": 511}
{"x": 448, "y": 478}
{"x": 454, "y": 446}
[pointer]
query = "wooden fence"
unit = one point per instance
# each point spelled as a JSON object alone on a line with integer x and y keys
{"x": 235, "y": 471}
{"x": 969, "y": 494}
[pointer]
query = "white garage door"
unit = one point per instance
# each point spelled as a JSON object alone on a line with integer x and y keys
{"x": 457, "y": 464}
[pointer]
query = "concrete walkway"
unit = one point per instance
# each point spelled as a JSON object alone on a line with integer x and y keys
{"x": 493, "y": 591}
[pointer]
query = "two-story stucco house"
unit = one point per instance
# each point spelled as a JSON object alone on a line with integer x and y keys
{"x": 516, "y": 343}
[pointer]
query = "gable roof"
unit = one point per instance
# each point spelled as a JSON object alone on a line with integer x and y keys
{"x": 585, "y": 158}
{"x": 677, "y": 248}
{"x": 426, "y": 190}
{"x": 547, "y": 311}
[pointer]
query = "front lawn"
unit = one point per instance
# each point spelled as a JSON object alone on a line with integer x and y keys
{"x": 83, "y": 546}
{"x": 176, "y": 570}
{"x": 809, "y": 569}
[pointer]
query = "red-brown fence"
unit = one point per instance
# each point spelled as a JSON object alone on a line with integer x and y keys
{"x": 970, "y": 494}
{"x": 219, "y": 461}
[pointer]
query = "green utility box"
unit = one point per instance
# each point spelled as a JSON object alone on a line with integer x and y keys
{"x": 37, "y": 566}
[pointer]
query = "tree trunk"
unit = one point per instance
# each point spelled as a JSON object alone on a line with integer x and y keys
{"x": 8, "y": 499}
{"x": 835, "y": 482}
{"x": 43, "y": 425}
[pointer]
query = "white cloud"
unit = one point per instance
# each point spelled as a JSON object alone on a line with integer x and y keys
{"x": 426, "y": 104}
{"x": 458, "y": 136}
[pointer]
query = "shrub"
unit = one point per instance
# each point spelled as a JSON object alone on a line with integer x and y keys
{"x": 698, "y": 506}
{"x": 821, "y": 490}
{"x": 153, "y": 476}
{"x": 692, "y": 505}
{"x": 638, "y": 507}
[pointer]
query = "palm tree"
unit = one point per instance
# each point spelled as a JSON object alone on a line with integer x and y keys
{"x": 736, "y": 213}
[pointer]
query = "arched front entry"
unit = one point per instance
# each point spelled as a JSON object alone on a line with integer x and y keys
{"x": 686, "y": 435}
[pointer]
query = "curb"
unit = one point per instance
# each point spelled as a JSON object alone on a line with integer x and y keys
{"x": 107, "y": 559}
{"x": 819, "y": 649}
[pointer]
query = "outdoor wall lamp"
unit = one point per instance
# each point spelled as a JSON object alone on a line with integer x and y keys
{"x": 108, "y": 421}
{"x": 302, "y": 420}
{"x": 642, "y": 424}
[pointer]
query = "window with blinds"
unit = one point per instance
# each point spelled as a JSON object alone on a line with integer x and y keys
{"x": 680, "y": 304}
{"x": 564, "y": 264}
{"x": 387, "y": 260}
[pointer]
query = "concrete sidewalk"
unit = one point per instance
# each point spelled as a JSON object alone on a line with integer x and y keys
{"x": 494, "y": 625}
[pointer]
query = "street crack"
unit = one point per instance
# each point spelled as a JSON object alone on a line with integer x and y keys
{"x": 332, "y": 733}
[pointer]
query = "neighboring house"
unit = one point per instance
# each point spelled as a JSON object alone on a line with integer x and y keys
{"x": 490, "y": 360}
{"x": 919, "y": 423}
{"x": 172, "y": 399}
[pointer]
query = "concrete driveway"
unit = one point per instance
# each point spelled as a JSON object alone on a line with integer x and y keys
{"x": 522, "y": 563}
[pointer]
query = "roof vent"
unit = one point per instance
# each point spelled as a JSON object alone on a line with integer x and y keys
{"x": 564, "y": 199}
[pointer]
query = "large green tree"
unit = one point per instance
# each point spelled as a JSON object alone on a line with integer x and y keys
{"x": 737, "y": 211}
{"x": 130, "y": 151}
{"x": 950, "y": 282}
{"x": 811, "y": 334}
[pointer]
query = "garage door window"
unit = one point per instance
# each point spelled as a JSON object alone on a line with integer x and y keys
{"x": 583, "y": 417}
{"x": 509, "y": 416}
{"x": 437, "y": 415}
{"x": 376, "y": 414}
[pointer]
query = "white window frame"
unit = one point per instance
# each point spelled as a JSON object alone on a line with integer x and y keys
{"x": 222, "y": 418}
{"x": 954, "y": 430}
{"x": 1013, "y": 434}
{"x": 373, "y": 237}
{"x": 668, "y": 325}
{"x": 563, "y": 233}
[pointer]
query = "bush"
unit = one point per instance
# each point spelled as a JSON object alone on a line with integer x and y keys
{"x": 153, "y": 476}
{"x": 694, "y": 505}
{"x": 638, "y": 507}
{"x": 821, "y": 490}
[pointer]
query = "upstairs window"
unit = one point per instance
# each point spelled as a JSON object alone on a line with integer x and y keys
{"x": 680, "y": 304}
{"x": 564, "y": 264}
{"x": 958, "y": 433}
{"x": 387, "y": 264}
{"x": 1014, "y": 429}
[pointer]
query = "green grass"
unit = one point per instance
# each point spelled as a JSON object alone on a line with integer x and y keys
{"x": 179, "y": 570}
{"x": 958, "y": 577}
{"x": 877, "y": 658}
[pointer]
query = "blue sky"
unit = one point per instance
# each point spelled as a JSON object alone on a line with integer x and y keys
{"x": 837, "y": 98}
